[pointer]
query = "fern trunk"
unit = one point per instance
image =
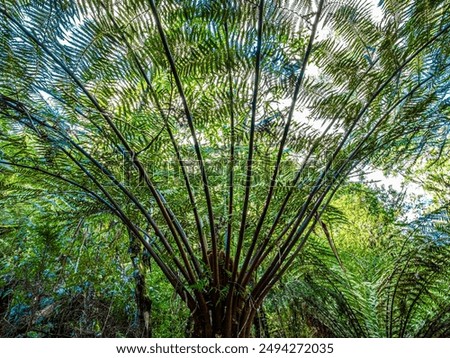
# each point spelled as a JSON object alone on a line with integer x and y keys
{"x": 220, "y": 322}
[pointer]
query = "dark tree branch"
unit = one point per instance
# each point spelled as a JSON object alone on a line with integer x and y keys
{"x": 283, "y": 140}
{"x": 178, "y": 226}
{"x": 214, "y": 263}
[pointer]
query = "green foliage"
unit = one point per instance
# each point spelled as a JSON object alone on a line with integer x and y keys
{"x": 395, "y": 286}
{"x": 202, "y": 145}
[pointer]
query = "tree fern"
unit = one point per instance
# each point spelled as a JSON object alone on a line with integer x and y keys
{"x": 101, "y": 95}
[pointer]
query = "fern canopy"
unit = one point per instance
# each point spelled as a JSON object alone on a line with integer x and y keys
{"x": 218, "y": 132}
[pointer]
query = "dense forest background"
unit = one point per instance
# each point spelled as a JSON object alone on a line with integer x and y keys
{"x": 222, "y": 168}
